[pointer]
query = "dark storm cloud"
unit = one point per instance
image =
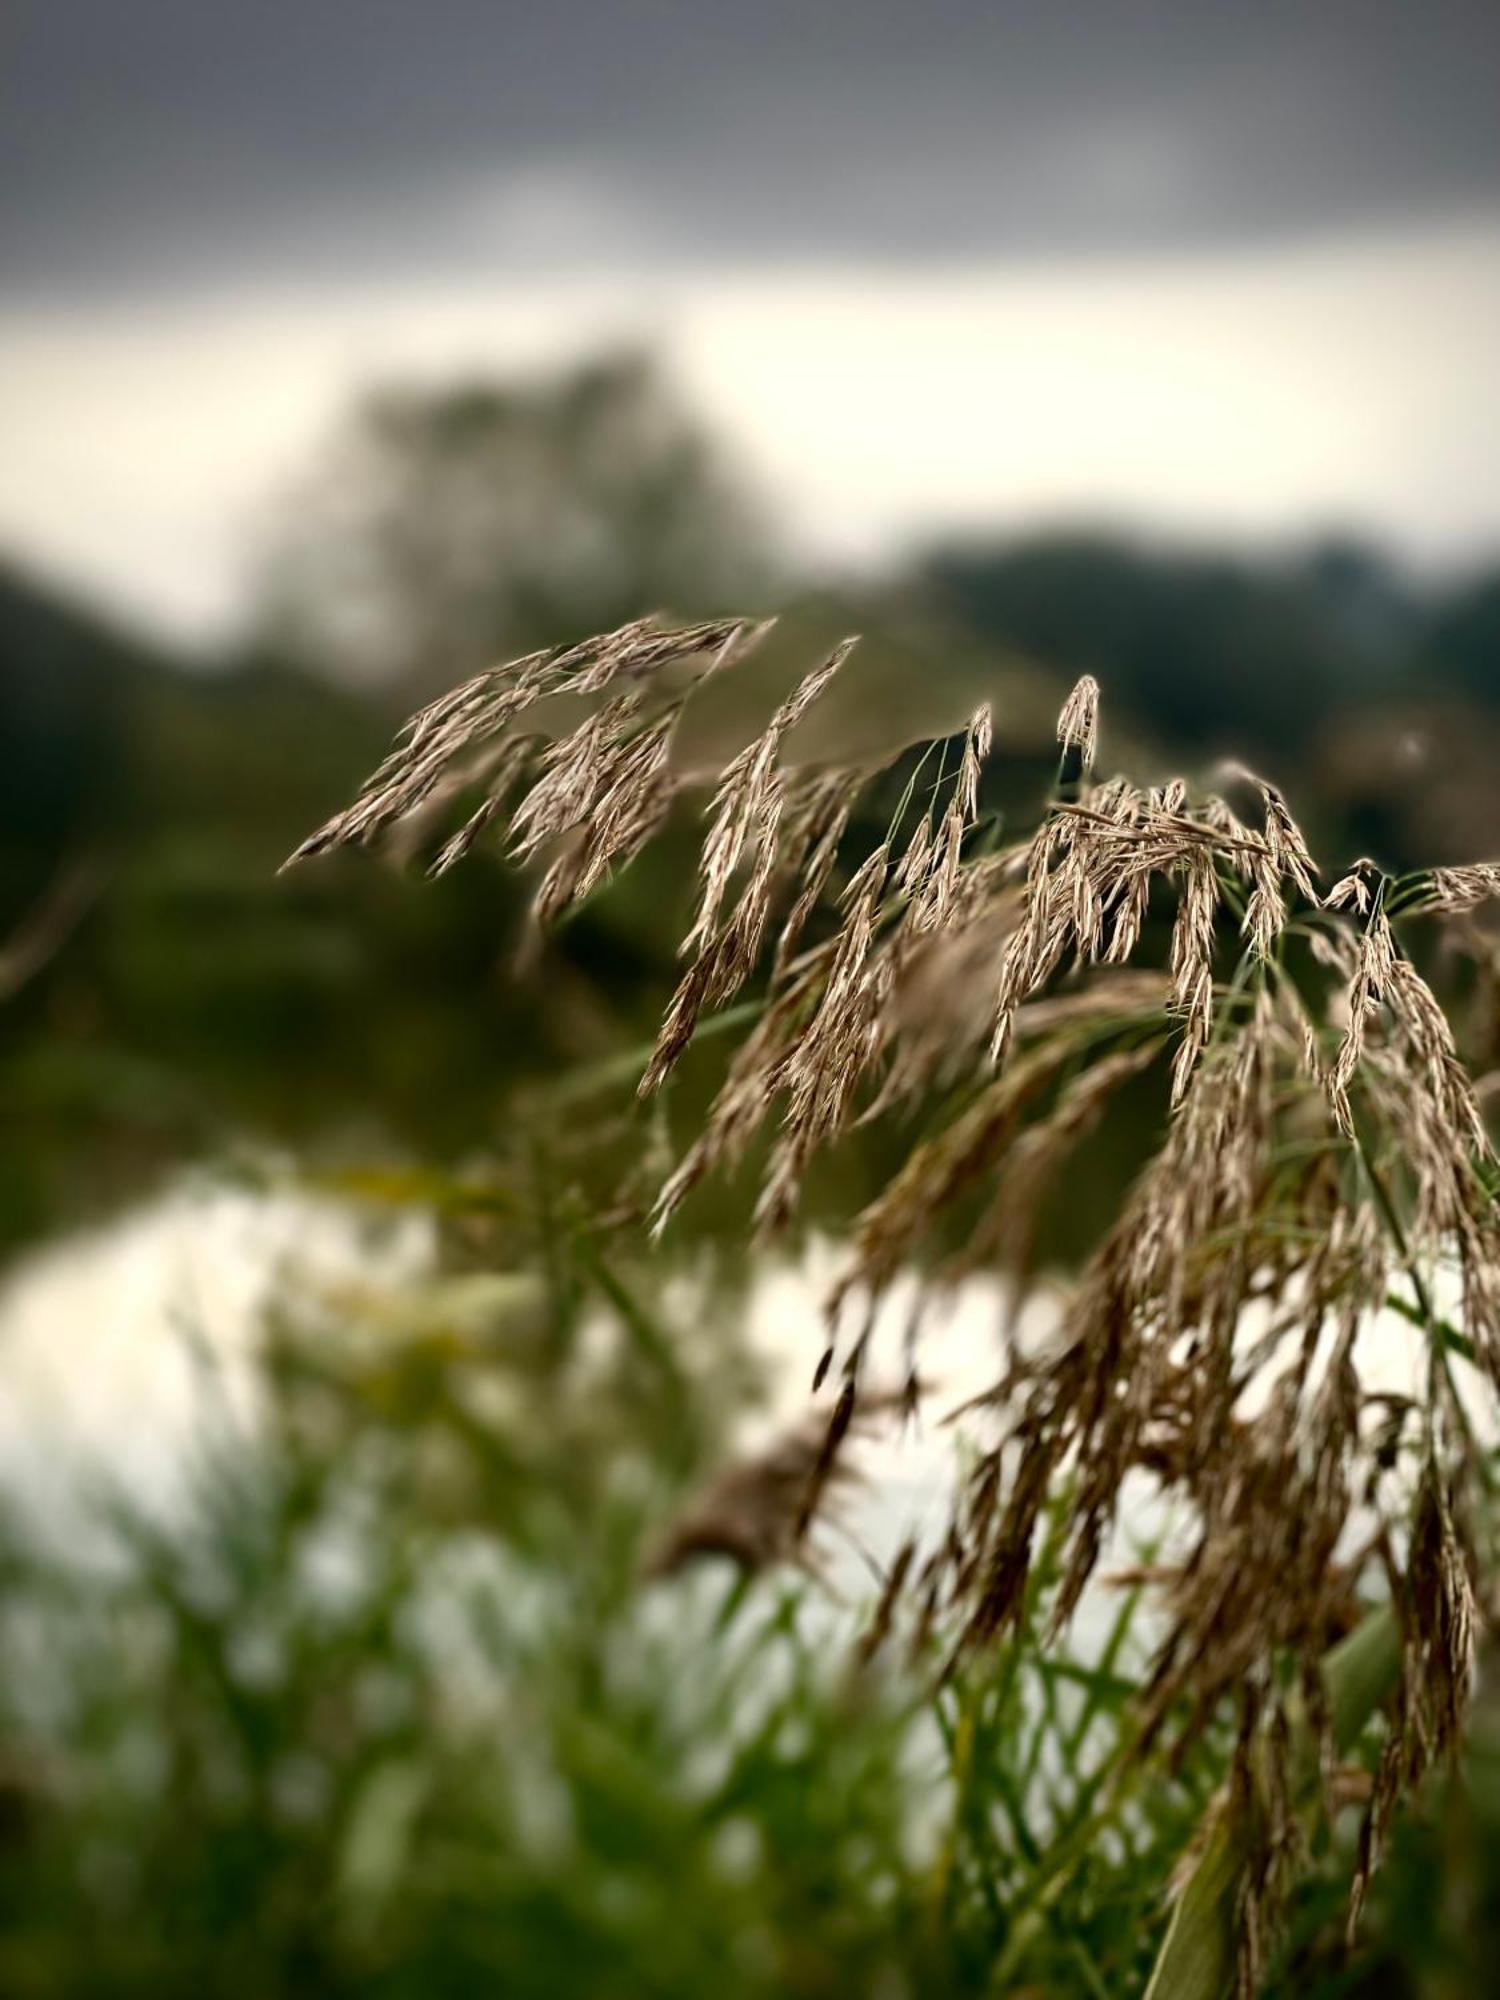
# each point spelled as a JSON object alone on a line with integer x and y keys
{"x": 143, "y": 141}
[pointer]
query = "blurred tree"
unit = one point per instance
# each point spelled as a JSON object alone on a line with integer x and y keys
{"x": 451, "y": 526}
{"x": 64, "y": 680}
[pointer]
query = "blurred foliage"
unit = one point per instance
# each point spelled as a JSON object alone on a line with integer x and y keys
{"x": 450, "y": 527}
{"x": 381, "y": 1702}
{"x": 383, "y": 1705}
{"x": 1433, "y": 1922}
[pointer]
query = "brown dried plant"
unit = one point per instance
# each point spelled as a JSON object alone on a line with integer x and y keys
{"x": 1322, "y": 1159}
{"x": 754, "y": 1510}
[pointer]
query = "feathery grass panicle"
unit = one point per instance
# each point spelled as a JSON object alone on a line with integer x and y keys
{"x": 459, "y": 725}
{"x": 1453, "y": 891}
{"x": 1321, "y": 1153}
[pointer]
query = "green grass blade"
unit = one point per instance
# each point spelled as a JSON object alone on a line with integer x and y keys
{"x": 1197, "y": 1958}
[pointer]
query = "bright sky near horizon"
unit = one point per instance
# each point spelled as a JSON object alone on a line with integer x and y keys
{"x": 1213, "y": 272}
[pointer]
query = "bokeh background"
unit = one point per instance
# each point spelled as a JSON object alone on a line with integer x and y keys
{"x": 344, "y": 349}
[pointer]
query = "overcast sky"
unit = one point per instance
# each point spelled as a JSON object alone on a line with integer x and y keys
{"x": 1208, "y": 262}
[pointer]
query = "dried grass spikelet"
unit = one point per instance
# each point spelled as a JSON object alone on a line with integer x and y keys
{"x": 933, "y": 889}
{"x": 1078, "y": 724}
{"x": 1057, "y": 892}
{"x": 1374, "y": 962}
{"x": 1435, "y": 1600}
{"x": 748, "y": 1093}
{"x": 1191, "y": 964}
{"x": 497, "y": 773}
{"x": 751, "y": 807}
{"x": 1276, "y": 1504}
{"x": 1028, "y": 1169}
{"x": 938, "y": 1013}
{"x": 747, "y": 792}
{"x": 964, "y": 1156}
{"x": 1267, "y": 862}
{"x": 819, "y": 1072}
{"x": 894, "y": 910}
{"x": 938, "y": 1171}
{"x": 1430, "y": 1098}
{"x": 1355, "y": 891}
{"x": 813, "y": 841}
{"x": 1092, "y": 863}
{"x": 1288, "y": 846}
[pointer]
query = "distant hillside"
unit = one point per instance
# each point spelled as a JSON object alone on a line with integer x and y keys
{"x": 1376, "y": 697}
{"x": 1222, "y": 651}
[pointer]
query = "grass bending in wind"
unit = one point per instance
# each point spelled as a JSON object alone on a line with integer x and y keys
{"x": 1318, "y": 1146}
